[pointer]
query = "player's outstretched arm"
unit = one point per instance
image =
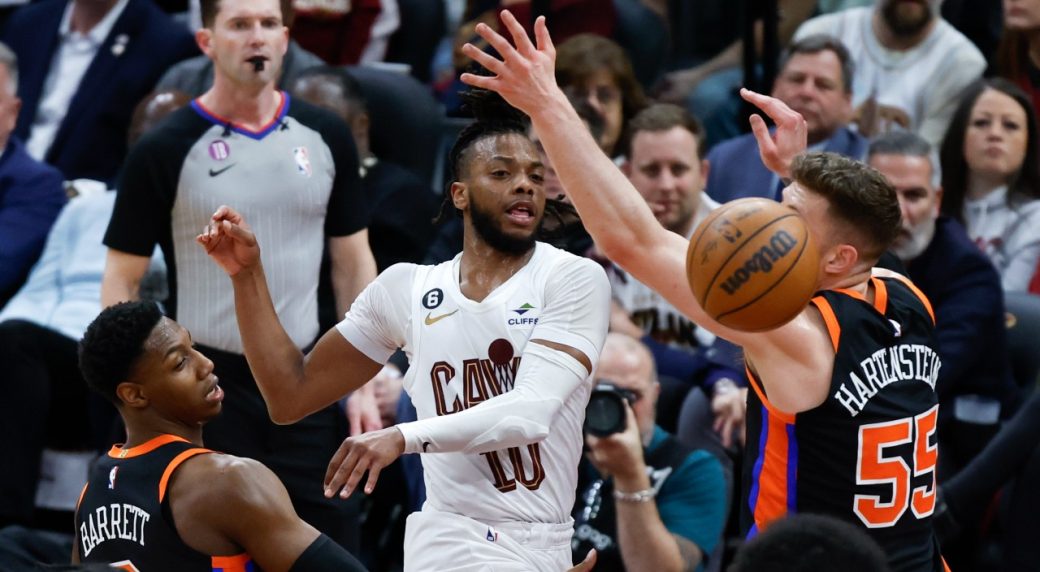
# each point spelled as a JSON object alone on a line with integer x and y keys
{"x": 614, "y": 213}
{"x": 243, "y": 507}
{"x": 292, "y": 386}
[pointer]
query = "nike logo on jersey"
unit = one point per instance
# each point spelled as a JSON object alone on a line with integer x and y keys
{"x": 425, "y": 446}
{"x": 216, "y": 172}
{"x": 431, "y": 320}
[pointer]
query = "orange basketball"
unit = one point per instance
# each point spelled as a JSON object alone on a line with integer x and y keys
{"x": 752, "y": 265}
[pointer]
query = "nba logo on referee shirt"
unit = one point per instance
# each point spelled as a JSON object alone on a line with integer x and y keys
{"x": 303, "y": 162}
{"x": 219, "y": 150}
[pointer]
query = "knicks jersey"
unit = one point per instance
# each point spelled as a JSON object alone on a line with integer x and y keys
{"x": 124, "y": 520}
{"x": 868, "y": 453}
{"x": 463, "y": 352}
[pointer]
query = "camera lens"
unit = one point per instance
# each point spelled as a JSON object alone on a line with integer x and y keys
{"x": 605, "y": 414}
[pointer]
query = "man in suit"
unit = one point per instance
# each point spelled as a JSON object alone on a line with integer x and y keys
{"x": 975, "y": 386}
{"x": 816, "y": 81}
{"x": 31, "y": 193}
{"x": 84, "y": 65}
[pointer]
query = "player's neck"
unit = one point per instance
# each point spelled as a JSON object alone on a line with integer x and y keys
{"x": 858, "y": 280}
{"x": 483, "y": 268}
{"x": 249, "y": 108}
{"x": 141, "y": 431}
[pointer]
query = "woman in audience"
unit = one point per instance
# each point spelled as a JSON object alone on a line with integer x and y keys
{"x": 1018, "y": 55}
{"x": 991, "y": 177}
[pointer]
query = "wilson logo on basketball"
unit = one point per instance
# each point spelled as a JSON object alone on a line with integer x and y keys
{"x": 780, "y": 245}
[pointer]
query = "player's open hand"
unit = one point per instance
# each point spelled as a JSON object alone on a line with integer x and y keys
{"x": 730, "y": 410}
{"x": 229, "y": 241}
{"x": 367, "y": 452}
{"x": 526, "y": 75}
{"x": 789, "y": 140}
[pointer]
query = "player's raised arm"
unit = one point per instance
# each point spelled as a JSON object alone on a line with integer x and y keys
{"x": 613, "y": 212}
{"x": 292, "y": 385}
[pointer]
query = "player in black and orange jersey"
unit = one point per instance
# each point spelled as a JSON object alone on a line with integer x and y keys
{"x": 162, "y": 501}
{"x": 843, "y": 404}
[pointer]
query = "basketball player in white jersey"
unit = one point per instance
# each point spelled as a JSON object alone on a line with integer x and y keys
{"x": 501, "y": 342}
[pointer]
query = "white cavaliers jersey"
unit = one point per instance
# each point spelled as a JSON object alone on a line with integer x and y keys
{"x": 463, "y": 352}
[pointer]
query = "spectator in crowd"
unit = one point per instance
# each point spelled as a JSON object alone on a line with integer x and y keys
{"x": 346, "y": 33}
{"x": 663, "y": 150}
{"x": 31, "y": 193}
{"x": 816, "y": 81}
{"x": 1018, "y": 55}
{"x": 991, "y": 177}
{"x": 709, "y": 87}
{"x": 294, "y": 169}
{"x": 595, "y": 69}
{"x": 401, "y": 206}
{"x": 975, "y": 385}
{"x": 84, "y": 65}
{"x": 239, "y": 519}
{"x": 911, "y": 65}
{"x": 810, "y": 543}
{"x": 647, "y": 502}
{"x": 194, "y": 76}
{"x": 39, "y": 329}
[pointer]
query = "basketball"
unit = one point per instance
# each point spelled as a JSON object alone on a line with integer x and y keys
{"x": 752, "y": 265}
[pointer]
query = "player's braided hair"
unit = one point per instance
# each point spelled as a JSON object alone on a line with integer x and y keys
{"x": 494, "y": 116}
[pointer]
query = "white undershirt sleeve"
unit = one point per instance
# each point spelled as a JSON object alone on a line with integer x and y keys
{"x": 545, "y": 380}
{"x": 576, "y": 314}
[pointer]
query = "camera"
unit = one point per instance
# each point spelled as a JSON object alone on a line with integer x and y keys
{"x": 605, "y": 413}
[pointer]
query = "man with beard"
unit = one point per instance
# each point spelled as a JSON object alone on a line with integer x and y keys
{"x": 975, "y": 382}
{"x": 911, "y": 65}
{"x": 501, "y": 340}
{"x": 816, "y": 81}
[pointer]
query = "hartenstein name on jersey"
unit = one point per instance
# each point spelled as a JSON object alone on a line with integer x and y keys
{"x": 110, "y": 522}
{"x": 904, "y": 362}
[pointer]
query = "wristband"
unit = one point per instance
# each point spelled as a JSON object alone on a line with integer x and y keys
{"x": 645, "y": 495}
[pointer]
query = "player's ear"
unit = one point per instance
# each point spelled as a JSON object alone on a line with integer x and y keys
{"x": 459, "y": 195}
{"x": 841, "y": 259}
{"x": 132, "y": 395}
{"x": 204, "y": 39}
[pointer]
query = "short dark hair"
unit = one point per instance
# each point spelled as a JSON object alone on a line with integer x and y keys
{"x": 906, "y": 144}
{"x": 208, "y": 10}
{"x": 1024, "y": 185}
{"x": 857, "y": 194}
{"x": 663, "y": 117}
{"x": 582, "y": 55}
{"x": 350, "y": 87}
{"x": 494, "y": 116}
{"x": 810, "y": 543}
{"x": 114, "y": 342}
{"x": 817, "y": 43}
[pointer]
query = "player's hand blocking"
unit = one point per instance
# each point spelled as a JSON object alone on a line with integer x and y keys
{"x": 368, "y": 452}
{"x": 230, "y": 241}
{"x": 790, "y": 139}
{"x": 525, "y": 76}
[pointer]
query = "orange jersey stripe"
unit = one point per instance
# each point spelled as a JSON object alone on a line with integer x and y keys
{"x": 773, "y": 485}
{"x": 237, "y": 563}
{"x": 117, "y": 452}
{"x": 173, "y": 467}
{"x": 833, "y": 328}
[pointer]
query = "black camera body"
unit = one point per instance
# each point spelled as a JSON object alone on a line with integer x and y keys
{"x": 605, "y": 413}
